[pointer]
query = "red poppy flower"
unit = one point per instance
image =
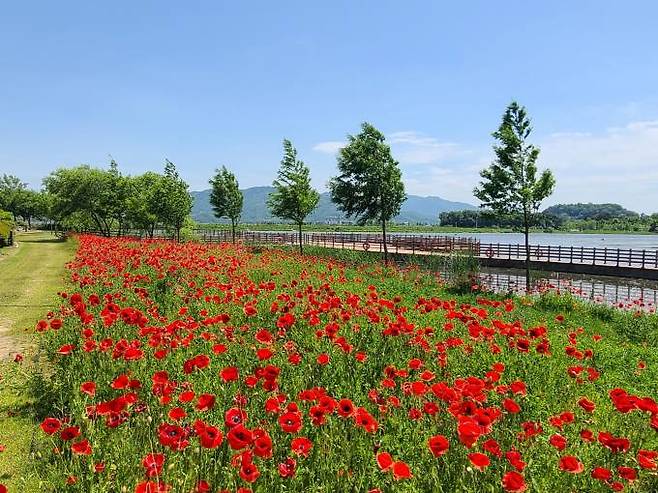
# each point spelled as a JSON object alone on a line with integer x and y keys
{"x": 401, "y": 471}
{"x": 229, "y": 374}
{"x": 66, "y": 349}
{"x": 69, "y": 433}
{"x": 601, "y": 473}
{"x": 615, "y": 444}
{"x": 586, "y": 404}
{"x": 571, "y": 464}
{"x": 558, "y": 441}
{"x": 290, "y": 422}
{"x": 262, "y": 444}
{"x": 628, "y": 473}
{"x": 205, "y": 402}
{"x": 301, "y": 446}
{"x": 468, "y": 431}
{"x": 202, "y": 487}
{"x": 492, "y": 447}
{"x": 88, "y": 388}
{"x": 345, "y": 408}
{"x": 287, "y": 468}
{"x": 153, "y": 464}
{"x": 173, "y": 436}
{"x": 438, "y": 445}
{"x": 511, "y": 406}
{"x": 239, "y": 437}
{"x": 234, "y": 417}
{"x": 249, "y": 472}
{"x": 50, "y": 426}
{"x": 647, "y": 459}
{"x": 514, "y": 482}
{"x": 209, "y": 436}
{"x": 480, "y": 461}
{"x": 384, "y": 461}
{"x": 81, "y": 448}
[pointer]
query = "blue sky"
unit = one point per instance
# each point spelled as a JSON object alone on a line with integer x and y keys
{"x": 211, "y": 83}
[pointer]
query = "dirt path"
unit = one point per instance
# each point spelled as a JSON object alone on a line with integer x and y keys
{"x": 30, "y": 276}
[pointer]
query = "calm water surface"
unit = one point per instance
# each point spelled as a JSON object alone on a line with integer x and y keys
{"x": 638, "y": 242}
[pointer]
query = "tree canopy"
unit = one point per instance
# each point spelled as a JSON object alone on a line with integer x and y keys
{"x": 294, "y": 197}
{"x": 369, "y": 185}
{"x": 510, "y": 185}
{"x": 85, "y": 197}
{"x": 225, "y": 197}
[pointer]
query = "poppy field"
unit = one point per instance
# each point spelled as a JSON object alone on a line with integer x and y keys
{"x": 186, "y": 367}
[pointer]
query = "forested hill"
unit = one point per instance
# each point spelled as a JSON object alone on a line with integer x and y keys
{"x": 416, "y": 209}
{"x": 590, "y": 211}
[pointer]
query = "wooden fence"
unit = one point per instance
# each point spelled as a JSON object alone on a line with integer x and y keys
{"x": 617, "y": 257}
{"x": 398, "y": 243}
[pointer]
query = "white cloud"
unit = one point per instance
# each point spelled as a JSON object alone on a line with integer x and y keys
{"x": 416, "y": 148}
{"x": 619, "y": 164}
{"x": 329, "y": 147}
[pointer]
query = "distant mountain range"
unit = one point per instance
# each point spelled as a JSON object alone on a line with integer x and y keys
{"x": 415, "y": 209}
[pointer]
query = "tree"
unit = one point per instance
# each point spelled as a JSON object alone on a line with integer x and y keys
{"x": 172, "y": 200}
{"x": 30, "y": 204}
{"x": 226, "y": 197}
{"x": 653, "y": 223}
{"x": 369, "y": 185}
{"x": 141, "y": 205}
{"x": 83, "y": 193}
{"x": 510, "y": 184}
{"x": 11, "y": 188}
{"x": 294, "y": 198}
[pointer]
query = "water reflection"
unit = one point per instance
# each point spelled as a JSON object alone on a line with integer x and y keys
{"x": 630, "y": 294}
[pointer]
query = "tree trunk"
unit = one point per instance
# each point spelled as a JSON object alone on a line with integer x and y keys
{"x": 233, "y": 229}
{"x": 98, "y": 223}
{"x": 526, "y": 234}
{"x": 384, "y": 242}
{"x": 301, "y": 249}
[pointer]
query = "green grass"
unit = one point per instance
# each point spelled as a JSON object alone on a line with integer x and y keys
{"x": 30, "y": 276}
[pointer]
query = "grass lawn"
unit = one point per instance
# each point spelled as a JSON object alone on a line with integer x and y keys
{"x": 30, "y": 276}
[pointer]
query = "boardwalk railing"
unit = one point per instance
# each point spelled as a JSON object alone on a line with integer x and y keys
{"x": 398, "y": 243}
{"x": 614, "y": 257}
{"x": 430, "y": 244}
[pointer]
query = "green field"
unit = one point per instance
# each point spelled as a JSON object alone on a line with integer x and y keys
{"x": 30, "y": 274}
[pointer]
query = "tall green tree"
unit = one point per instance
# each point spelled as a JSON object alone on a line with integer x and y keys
{"x": 142, "y": 206}
{"x": 294, "y": 198}
{"x": 173, "y": 200}
{"x": 84, "y": 194}
{"x": 369, "y": 186}
{"x": 510, "y": 185}
{"x": 225, "y": 197}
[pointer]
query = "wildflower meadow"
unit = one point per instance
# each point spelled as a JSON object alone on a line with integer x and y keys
{"x": 187, "y": 367}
